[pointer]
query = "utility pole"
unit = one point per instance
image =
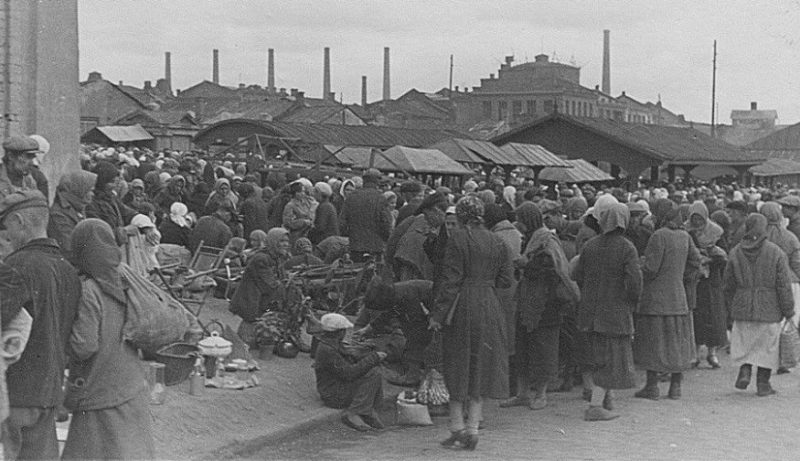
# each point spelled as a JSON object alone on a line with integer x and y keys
{"x": 450, "y": 88}
{"x": 714, "y": 93}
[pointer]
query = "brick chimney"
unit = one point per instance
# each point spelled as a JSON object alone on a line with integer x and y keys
{"x": 607, "y": 61}
{"x": 215, "y": 71}
{"x": 168, "y": 71}
{"x": 95, "y": 76}
{"x": 753, "y": 105}
{"x": 387, "y": 92}
{"x": 271, "y": 70}
{"x": 363, "y": 91}
{"x": 148, "y": 85}
{"x": 326, "y": 74}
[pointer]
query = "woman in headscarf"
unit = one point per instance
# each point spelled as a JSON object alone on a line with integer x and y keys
{"x": 261, "y": 283}
{"x": 540, "y": 308}
{"x": 710, "y": 316}
{"x": 74, "y": 192}
{"x": 105, "y": 424}
{"x": 174, "y": 192}
{"x": 391, "y": 204}
{"x": 299, "y": 213}
{"x": 175, "y": 229}
{"x": 405, "y": 249}
{"x": 788, "y": 243}
{"x": 326, "y": 219}
{"x": 591, "y": 223}
{"x": 611, "y": 282}
{"x": 347, "y": 186}
{"x": 509, "y": 202}
{"x": 135, "y": 196}
{"x": 222, "y": 193}
{"x": 495, "y": 220}
{"x": 758, "y": 293}
{"x": 664, "y": 338}
{"x": 469, "y": 313}
{"x": 106, "y": 206}
{"x": 152, "y": 184}
{"x": 486, "y": 196}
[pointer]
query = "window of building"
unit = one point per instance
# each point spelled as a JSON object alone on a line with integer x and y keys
{"x": 548, "y": 106}
{"x": 516, "y": 107}
{"x": 531, "y": 107}
{"x": 502, "y": 110}
{"x": 574, "y": 112}
{"x": 487, "y": 109}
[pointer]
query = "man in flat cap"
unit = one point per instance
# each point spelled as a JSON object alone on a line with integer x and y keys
{"x": 366, "y": 219}
{"x": 411, "y": 192}
{"x": 34, "y": 382}
{"x": 19, "y": 152}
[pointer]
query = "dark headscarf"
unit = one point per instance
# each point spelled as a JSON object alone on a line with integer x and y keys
{"x": 493, "y": 214}
{"x": 435, "y": 200}
{"x": 755, "y": 231}
{"x": 577, "y": 205}
{"x": 74, "y": 186}
{"x": 664, "y": 212}
{"x": 97, "y": 255}
{"x": 106, "y": 173}
{"x": 529, "y": 215}
{"x": 722, "y": 219}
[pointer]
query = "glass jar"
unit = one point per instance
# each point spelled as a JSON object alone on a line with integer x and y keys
{"x": 155, "y": 379}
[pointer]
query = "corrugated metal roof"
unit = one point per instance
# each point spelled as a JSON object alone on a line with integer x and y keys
{"x": 785, "y": 139}
{"x": 534, "y": 155}
{"x": 466, "y": 150}
{"x": 776, "y": 167}
{"x": 581, "y": 171}
{"x": 405, "y": 159}
{"x": 131, "y": 133}
{"x": 675, "y": 145}
{"x": 337, "y": 135}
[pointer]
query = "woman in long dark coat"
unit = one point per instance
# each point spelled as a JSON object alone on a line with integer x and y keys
{"x": 539, "y": 310}
{"x": 709, "y": 314}
{"x": 611, "y": 281}
{"x": 664, "y": 341}
{"x": 469, "y": 314}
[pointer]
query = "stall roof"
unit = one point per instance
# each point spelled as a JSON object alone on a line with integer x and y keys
{"x": 468, "y": 150}
{"x": 776, "y": 167}
{"x": 404, "y": 159}
{"x": 655, "y": 144}
{"x": 326, "y": 134}
{"x": 130, "y": 133}
{"x": 533, "y": 155}
{"x": 581, "y": 172}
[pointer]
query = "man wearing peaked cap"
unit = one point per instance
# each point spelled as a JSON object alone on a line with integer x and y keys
{"x": 19, "y": 152}
{"x": 34, "y": 383}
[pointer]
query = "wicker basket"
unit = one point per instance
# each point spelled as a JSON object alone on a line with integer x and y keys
{"x": 178, "y": 360}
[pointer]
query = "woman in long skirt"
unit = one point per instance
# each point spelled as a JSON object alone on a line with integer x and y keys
{"x": 611, "y": 281}
{"x": 472, "y": 321}
{"x": 758, "y": 293}
{"x": 664, "y": 341}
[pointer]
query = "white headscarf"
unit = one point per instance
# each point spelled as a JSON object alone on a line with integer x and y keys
{"x": 177, "y": 214}
{"x": 510, "y": 195}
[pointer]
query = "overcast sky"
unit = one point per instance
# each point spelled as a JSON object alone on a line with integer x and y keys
{"x": 657, "y": 47}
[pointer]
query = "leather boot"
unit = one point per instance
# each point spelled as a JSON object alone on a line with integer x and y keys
{"x": 540, "y": 397}
{"x": 743, "y": 380}
{"x": 675, "y": 386}
{"x": 650, "y": 390}
{"x": 598, "y": 414}
{"x": 763, "y": 387}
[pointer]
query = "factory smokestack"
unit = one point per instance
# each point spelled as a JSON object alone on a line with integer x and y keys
{"x": 606, "y": 62}
{"x": 271, "y": 70}
{"x": 326, "y": 75}
{"x": 215, "y": 71}
{"x": 363, "y": 91}
{"x": 168, "y": 70}
{"x": 387, "y": 92}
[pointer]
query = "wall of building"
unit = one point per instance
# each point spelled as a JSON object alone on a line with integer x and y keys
{"x": 102, "y": 102}
{"x": 39, "y": 77}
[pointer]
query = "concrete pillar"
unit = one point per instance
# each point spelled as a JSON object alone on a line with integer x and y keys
{"x": 215, "y": 70}
{"x": 39, "y": 91}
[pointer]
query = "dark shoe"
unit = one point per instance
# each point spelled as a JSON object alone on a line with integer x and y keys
{"x": 587, "y": 395}
{"x": 598, "y": 414}
{"x": 468, "y": 442}
{"x": 713, "y": 361}
{"x": 648, "y": 392}
{"x": 355, "y": 422}
{"x": 765, "y": 389}
{"x": 674, "y": 391}
{"x": 783, "y": 371}
{"x": 696, "y": 363}
{"x": 743, "y": 380}
{"x": 453, "y": 439}
{"x": 516, "y": 402}
{"x": 608, "y": 402}
{"x": 373, "y": 420}
{"x": 539, "y": 402}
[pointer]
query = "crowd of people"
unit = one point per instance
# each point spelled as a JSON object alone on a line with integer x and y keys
{"x": 658, "y": 278}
